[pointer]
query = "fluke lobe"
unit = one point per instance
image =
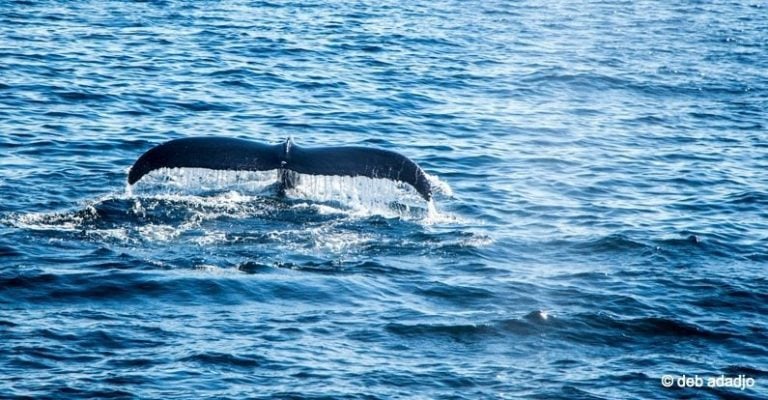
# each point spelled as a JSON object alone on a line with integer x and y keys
{"x": 220, "y": 153}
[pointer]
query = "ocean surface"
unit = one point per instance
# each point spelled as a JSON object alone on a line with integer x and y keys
{"x": 600, "y": 219}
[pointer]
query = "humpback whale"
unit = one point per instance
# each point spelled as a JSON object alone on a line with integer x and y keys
{"x": 220, "y": 153}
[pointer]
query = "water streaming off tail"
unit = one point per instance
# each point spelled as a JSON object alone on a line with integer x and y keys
{"x": 358, "y": 194}
{"x": 201, "y": 181}
{"x": 194, "y": 203}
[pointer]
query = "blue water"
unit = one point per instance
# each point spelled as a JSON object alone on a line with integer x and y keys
{"x": 601, "y": 220}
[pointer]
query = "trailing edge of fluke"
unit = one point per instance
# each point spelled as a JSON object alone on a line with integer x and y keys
{"x": 289, "y": 159}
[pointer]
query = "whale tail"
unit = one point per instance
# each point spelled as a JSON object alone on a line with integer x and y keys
{"x": 288, "y": 158}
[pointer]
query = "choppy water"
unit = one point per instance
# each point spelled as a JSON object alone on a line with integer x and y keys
{"x": 602, "y": 223}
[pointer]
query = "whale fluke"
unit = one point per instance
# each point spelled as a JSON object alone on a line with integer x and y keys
{"x": 245, "y": 155}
